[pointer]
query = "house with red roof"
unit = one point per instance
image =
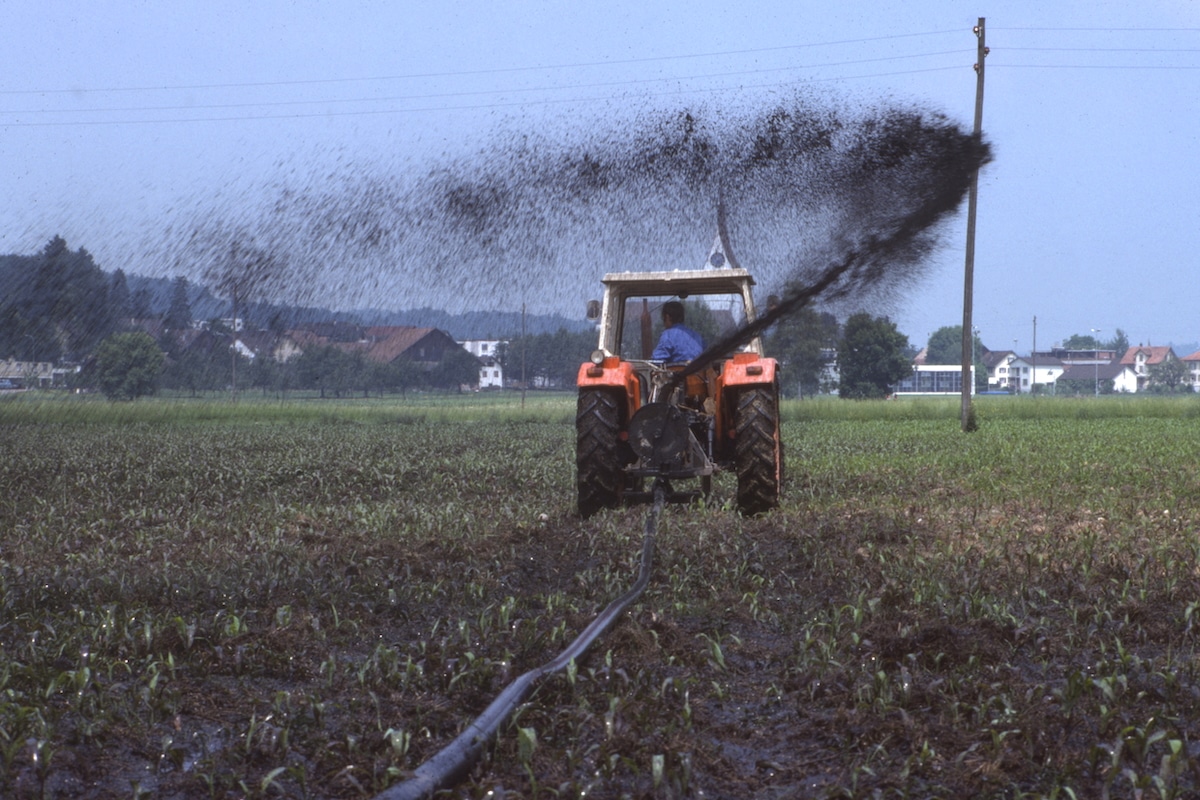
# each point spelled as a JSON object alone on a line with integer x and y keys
{"x": 385, "y": 344}
{"x": 1142, "y": 357}
{"x": 382, "y": 344}
{"x": 424, "y": 348}
{"x": 1193, "y": 370}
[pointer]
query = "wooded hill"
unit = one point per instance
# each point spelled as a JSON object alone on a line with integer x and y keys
{"x": 59, "y": 304}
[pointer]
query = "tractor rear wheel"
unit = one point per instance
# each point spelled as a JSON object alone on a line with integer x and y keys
{"x": 599, "y": 477}
{"x": 758, "y": 451}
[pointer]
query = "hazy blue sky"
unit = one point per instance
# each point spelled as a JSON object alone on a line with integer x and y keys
{"x": 118, "y": 120}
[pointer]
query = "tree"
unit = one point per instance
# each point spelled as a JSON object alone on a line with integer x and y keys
{"x": 118, "y": 296}
{"x": 128, "y": 366}
{"x": 1083, "y": 387}
{"x": 329, "y": 369}
{"x": 570, "y": 349}
{"x": 870, "y": 357}
{"x": 380, "y": 377}
{"x": 239, "y": 269}
{"x": 64, "y": 309}
{"x": 195, "y": 371}
{"x": 140, "y": 304}
{"x": 267, "y": 374}
{"x": 799, "y": 342}
{"x": 945, "y": 347}
{"x": 1168, "y": 377}
{"x": 246, "y": 273}
{"x": 457, "y": 368}
{"x": 179, "y": 313}
{"x": 553, "y": 358}
{"x": 1078, "y": 341}
{"x": 1119, "y": 344}
{"x": 403, "y": 374}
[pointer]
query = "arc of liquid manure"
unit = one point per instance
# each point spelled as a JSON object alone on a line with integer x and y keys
{"x": 792, "y": 301}
{"x": 924, "y": 216}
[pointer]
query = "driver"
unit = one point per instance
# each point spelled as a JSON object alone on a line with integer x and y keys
{"x": 678, "y": 343}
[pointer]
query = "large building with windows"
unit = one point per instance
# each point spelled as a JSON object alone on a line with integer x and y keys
{"x": 933, "y": 379}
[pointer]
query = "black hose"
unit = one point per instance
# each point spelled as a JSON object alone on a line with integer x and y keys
{"x": 451, "y": 765}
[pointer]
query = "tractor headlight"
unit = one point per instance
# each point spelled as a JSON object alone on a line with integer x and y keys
{"x": 597, "y": 357}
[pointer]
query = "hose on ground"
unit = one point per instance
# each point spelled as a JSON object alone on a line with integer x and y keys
{"x": 452, "y": 764}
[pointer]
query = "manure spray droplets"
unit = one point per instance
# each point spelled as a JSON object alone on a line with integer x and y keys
{"x": 815, "y": 200}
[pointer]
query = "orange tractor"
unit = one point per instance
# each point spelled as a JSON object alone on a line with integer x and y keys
{"x": 638, "y": 418}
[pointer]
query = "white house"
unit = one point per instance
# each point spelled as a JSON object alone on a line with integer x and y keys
{"x": 1142, "y": 358}
{"x": 1192, "y": 363}
{"x": 491, "y": 373}
{"x": 1097, "y": 365}
{"x": 1046, "y": 370}
{"x": 1014, "y": 374}
{"x": 1009, "y": 372}
{"x": 1123, "y": 378}
{"x": 30, "y": 374}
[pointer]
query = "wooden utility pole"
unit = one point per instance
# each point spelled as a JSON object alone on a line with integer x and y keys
{"x": 1033, "y": 360}
{"x": 968, "y": 332}
{"x": 524, "y": 341}
{"x": 233, "y": 350}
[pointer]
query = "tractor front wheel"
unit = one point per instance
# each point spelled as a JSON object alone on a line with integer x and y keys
{"x": 599, "y": 476}
{"x": 758, "y": 451}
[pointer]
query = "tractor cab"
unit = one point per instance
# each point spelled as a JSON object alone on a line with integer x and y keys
{"x": 637, "y": 419}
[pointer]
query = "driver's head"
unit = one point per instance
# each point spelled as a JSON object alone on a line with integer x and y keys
{"x": 672, "y": 313}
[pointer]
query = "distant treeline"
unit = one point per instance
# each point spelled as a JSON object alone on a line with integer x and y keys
{"x": 59, "y": 304}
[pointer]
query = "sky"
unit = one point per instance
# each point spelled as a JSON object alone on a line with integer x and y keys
{"x": 123, "y": 124}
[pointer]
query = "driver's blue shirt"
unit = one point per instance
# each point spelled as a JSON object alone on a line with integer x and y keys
{"x": 678, "y": 344}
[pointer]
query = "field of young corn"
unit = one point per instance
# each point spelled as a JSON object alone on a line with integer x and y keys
{"x": 309, "y": 600}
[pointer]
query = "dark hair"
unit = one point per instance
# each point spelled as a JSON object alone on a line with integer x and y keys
{"x": 674, "y": 310}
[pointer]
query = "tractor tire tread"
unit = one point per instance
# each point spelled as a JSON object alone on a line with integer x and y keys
{"x": 599, "y": 477}
{"x": 758, "y": 450}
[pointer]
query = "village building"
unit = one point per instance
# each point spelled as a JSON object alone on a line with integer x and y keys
{"x": 491, "y": 371}
{"x": 934, "y": 379}
{"x": 1141, "y": 358}
{"x": 29, "y": 374}
{"x": 1098, "y": 374}
{"x": 1192, "y": 363}
{"x": 1017, "y": 374}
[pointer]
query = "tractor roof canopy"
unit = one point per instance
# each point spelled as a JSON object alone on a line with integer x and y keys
{"x": 679, "y": 282}
{"x": 622, "y": 288}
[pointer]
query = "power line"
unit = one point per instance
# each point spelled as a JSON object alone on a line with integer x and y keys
{"x": 490, "y": 71}
{"x": 483, "y": 92}
{"x": 586, "y": 64}
{"x": 1102, "y": 30}
{"x": 473, "y": 107}
{"x": 1099, "y": 66}
{"x": 538, "y": 102}
{"x": 1108, "y": 49}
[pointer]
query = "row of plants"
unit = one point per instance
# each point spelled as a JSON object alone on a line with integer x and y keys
{"x": 552, "y": 406}
{"x": 311, "y": 606}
